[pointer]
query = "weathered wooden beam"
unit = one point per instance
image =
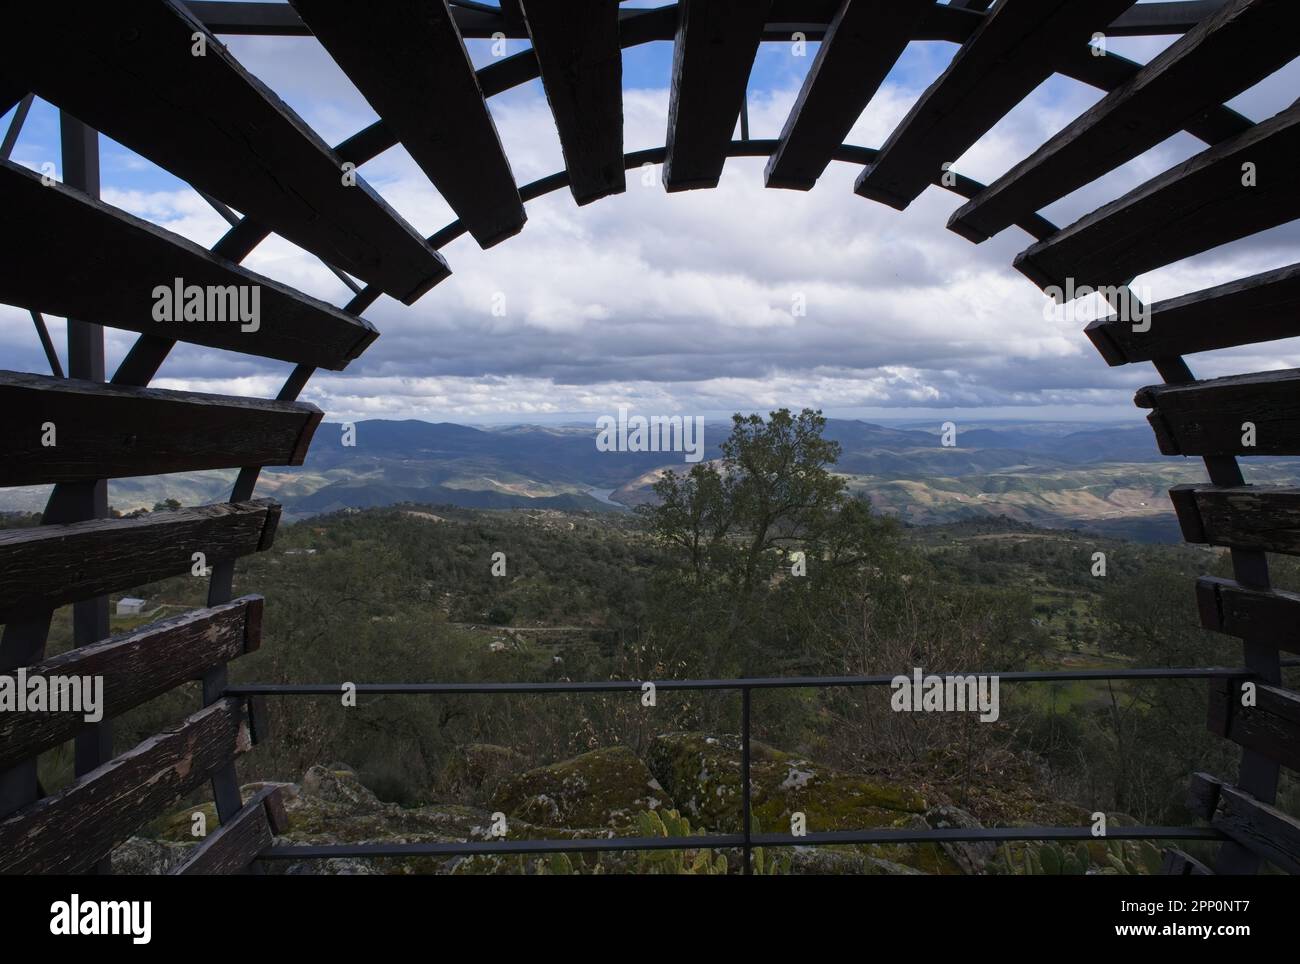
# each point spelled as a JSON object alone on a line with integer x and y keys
{"x": 712, "y": 57}
{"x": 1230, "y": 191}
{"x": 81, "y": 258}
{"x": 1257, "y": 414}
{"x": 235, "y": 844}
{"x": 1257, "y": 716}
{"x": 135, "y": 667}
{"x": 861, "y": 46}
{"x": 577, "y": 47}
{"x": 1260, "y": 517}
{"x": 1273, "y": 615}
{"x": 408, "y": 60}
{"x": 1014, "y": 49}
{"x": 68, "y": 831}
{"x": 1255, "y": 825}
{"x": 1264, "y": 307}
{"x": 1228, "y": 52}
{"x": 136, "y": 72}
{"x": 71, "y": 430}
{"x": 50, "y": 565}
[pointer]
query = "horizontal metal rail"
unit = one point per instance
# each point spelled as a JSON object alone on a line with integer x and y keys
{"x": 746, "y": 840}
{"x": 750, "y": 683}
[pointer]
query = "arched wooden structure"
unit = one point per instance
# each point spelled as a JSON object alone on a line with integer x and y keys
{"x": 131, "y": 71}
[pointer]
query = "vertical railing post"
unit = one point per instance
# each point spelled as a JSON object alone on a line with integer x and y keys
{"x": 744, "y": 779}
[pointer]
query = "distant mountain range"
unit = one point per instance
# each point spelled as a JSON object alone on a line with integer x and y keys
{"x": 1106, "y": 477}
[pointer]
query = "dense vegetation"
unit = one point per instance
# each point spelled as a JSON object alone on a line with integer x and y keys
{"x": 758, "y": 565}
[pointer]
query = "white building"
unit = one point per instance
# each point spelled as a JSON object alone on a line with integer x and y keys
{"x": 130, "y": 606}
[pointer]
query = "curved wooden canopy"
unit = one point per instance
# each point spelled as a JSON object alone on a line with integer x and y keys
{"x": 128, "y": 70}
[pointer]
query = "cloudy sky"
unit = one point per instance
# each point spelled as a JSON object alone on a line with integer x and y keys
{"x": 683, "y": 303}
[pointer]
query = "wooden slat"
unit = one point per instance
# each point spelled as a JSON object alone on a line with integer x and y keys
{"x": 235, "y": 844}
{"x": 69, "y": 831}
{"x": 1255, "y": 825}
{"x": 408, "y": 60}
{"x": 712, "y": 57}
{"x": 1271, "y": 727}
{"x": 1210, "y": 417}
{"x": 128, "y": 70}
{"x": 1260, "y": 517}
{"x": 50, "y": 565}
{"x": 1176, "y": 863}
{"x": 1193, "y": 207}
{"x": 577, "y": 47}
{"x": 1227, "y": 53}
{"x": 861, "y": 46}
{"x": 114, "y": 431}
{"x": 1261, "y": 308}
{"x": 1228, "y": 607}
{"x": 1013, "y": 50}
{"x": 82, "y": 258}
{"x": 135, "y": 667}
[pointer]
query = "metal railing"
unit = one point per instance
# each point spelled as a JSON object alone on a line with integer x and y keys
{"x": 746, "y": 840}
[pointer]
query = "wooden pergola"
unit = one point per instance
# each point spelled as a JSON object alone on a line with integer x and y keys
{"x": 130, "y": 71}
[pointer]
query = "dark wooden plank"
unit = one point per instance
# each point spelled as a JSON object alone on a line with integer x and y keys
{"x": 1230, "y": 51}
{"x": 128, "y": 70}
{"x": 861, "y": 46}
{"x": 50, "y": 565}
{"x": 577, "y": 47}
{"x": 235, "y": 844}
{"x": 1197, "y": 205}
{"x": 1270, "y": 727}
{"x": 1259, "y": 827}
{"x": 1014, "y": 49}
{"x": 1264, "y": 307}
{"x": 67, "y": 832}
{"x": 1176, "y": 863}
{"x": 1262, "y": 614}
{"x": 1260, "y": 517}
{"x": 712, "y": 57}
{"x": 1212, "y": 417}
{"x": 1203, "y": 795}
{"x": 408, "y": 60}
{"x": 82, "y": 258}
{"x": 135, "y": 667}
{"x": 115, "y": 431}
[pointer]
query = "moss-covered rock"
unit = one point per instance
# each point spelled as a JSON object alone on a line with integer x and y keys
{"x": 603, "y": 788}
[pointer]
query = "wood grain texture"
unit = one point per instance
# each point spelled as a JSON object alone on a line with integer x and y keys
{"x": 577, "y": 48}
{"x": 50, "y": 565}
{"x": 1228, "y": 52}
{"x": 102, "y": 808}
{"x": 1013, "y": 50}
{"x": 1259, "y": 827}
{"x": 1271, "y": 727}
{"x": 712, "y": 57}
{"x": 861, "y": 46}
{"x": 82, "y": 258}
{"x": 112, "y": 431}
{"x": 1228, "y": 607}
{"x": 1263, "y": 307}
{"x": 235, "y": 844}
{"x": 1213, "y": 417}
{"x": 1176, "y": 863}
{"x": 408, "y": 60}
{"x": 1193, "y": 207}
{"x": 135, "y": 667}
{"x": 1260, "y": 517}
{"x": 128, "y": 70}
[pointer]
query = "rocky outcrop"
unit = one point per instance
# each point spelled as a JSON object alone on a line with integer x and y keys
{"x": 603, "y": 788}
